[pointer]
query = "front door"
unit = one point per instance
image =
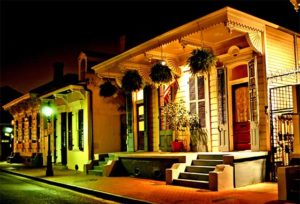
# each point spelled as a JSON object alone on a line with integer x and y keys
{"x": 64, "y": 138}
{"x": 241, "y": 119}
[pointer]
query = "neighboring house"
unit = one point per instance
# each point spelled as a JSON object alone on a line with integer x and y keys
{"x": 81, "y": 121}
{"x": 6, "y": 94}
{"x": 232, "y": 100}
{"x": 67, "y": 126}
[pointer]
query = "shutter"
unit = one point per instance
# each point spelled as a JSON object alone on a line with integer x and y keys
{"x": 253, "y": 97}
{"x": 222, "y": 109}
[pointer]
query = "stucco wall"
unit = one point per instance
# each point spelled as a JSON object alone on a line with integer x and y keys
{"x": 106, "y": 123}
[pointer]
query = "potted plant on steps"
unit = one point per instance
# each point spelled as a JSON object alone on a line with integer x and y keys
{"x": 198, "y": 135}
{"x": 177, "y": 118}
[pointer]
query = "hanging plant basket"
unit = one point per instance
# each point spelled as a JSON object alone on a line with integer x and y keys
{"x": 161, "y": 74}
{"x": 131, "y": 81}
{"x": 201, "y": 61}
{"x": 107, "y": 89}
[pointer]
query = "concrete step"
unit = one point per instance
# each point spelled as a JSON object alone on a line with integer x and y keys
{"x": 191, "y": 183}
{"x": 98, "y": 167}
{"x": 210, "y": 156}
{"x": 206, "y": 162}
{"x": 194, "y": 176}
{"x": 199, "y": 169}
{"x": 95, "y": 172}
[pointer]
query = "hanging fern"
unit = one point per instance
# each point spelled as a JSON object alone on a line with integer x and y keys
{"x": 131, "y": 81}
{"x": 107, "y": 89}
{"x": 160, "y": 74}
{"x": 201, "y": 60}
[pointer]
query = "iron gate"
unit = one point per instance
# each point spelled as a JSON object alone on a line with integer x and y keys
{"x": 281, "y": 124}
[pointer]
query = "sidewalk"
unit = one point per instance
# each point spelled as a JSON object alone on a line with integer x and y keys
{"x": 151, "y": 191}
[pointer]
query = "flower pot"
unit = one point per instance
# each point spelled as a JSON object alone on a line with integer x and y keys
{"x": 177, "y": 146}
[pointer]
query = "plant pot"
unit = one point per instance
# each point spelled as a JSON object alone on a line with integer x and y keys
{"x": 177, "y": 146}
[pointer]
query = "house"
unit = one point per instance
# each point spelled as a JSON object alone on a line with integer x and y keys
{"x": 78, "y": 126}
{"x": 6, "y": 94}
{"x": 67, "y": 128}
{"x": 232, "y": 99}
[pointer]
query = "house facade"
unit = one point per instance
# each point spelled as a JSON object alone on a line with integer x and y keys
{"x": 77, "y": 128}
{"x": 232, "y": 100}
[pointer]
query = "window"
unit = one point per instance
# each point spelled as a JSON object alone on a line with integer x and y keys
{"x": 166, "y": 95}
{"x": 70, "y": 136}
{"x": 30, "y": 126}
{"x": 17, "y": 129}
{"x": 197, "y": 98}
{"x": 80, "y": 129}
{"x": 23, "y": 128}
{"x": 38, "y": 133}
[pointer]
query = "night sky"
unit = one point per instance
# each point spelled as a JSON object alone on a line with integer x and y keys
{"x": 35, "y": 34}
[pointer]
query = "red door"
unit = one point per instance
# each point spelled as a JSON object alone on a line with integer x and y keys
{"x": 241, "y": 124}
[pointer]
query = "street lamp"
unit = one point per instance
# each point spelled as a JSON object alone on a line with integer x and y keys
{"x": 47, "y": 111}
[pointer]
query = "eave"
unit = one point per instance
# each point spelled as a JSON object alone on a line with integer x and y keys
{"x": 18, "y": 100}
{"x": 229, "y": 17}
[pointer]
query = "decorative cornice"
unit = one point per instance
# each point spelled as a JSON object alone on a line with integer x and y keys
{"x": 254, "y": 39}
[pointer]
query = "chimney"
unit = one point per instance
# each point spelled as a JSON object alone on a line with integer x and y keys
{"x": 122, "y": 43}
{"x": 58, "y": 71}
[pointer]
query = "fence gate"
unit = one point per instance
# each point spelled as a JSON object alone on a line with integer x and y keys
{"x": 281, "y": 124}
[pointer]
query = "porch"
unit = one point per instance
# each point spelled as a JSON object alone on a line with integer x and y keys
{"x": 247, "y": 167}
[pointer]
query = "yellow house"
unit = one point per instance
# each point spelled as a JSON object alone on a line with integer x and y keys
{"x": 232, "y": 100}
{"x": 67, "y": 127}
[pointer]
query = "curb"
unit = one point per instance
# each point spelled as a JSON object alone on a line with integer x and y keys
{"x": 99, "y": 194}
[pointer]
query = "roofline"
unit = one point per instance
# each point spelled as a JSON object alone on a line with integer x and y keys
{"x": 220, "y": 16}
{"x": 18, "y": 100}
{"x": 72, "y": 87}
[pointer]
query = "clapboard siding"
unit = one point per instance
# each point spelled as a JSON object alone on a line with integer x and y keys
{"x": 280, "y": 50}
{"x": 214, "y": 111}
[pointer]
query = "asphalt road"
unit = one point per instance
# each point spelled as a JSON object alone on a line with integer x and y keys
{"x": 20, "y": 190}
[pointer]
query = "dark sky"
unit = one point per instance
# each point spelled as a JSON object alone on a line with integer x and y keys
{"x": 35, "y": 34}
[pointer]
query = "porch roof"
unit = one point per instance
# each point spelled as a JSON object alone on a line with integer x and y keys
{"x": 65, "y": 94}
{"x": 173, "y": 46}
{"x": 18, "y": 100}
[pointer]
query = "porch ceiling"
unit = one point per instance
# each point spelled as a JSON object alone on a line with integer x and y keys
{"x": 216, "y": 31}
{"x": 65, "y": 95}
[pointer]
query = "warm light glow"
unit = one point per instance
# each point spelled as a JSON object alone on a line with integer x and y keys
{"x": 7, "y": 129}
{"x": 47, "y": 111}
{"x": 140, "y": 95}
{"x": 163, "y": 62}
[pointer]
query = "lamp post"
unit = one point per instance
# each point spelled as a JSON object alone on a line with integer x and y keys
{"x": 47, "y": 111}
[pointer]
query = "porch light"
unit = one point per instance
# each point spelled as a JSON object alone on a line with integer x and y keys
{"x": 7, "y": 130}
{"x": 163, "y": 62}
{"x": 47, "y": 111}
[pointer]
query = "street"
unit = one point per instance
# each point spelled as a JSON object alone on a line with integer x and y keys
{"x": 15, "y": 190}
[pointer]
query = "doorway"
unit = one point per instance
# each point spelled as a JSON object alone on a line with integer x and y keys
{"x": 241, "y": 118}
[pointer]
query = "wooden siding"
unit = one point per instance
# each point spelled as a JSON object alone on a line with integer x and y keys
{"x": 280, "y": 56}
{"x": 214, "y": 111}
